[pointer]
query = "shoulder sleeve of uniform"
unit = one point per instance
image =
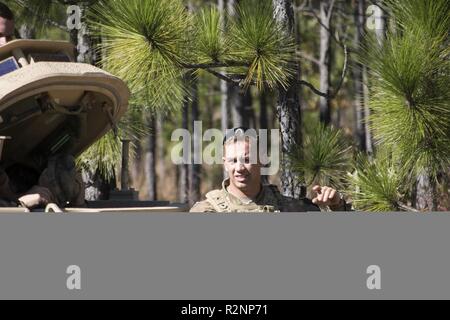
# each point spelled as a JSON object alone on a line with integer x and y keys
{"x": 202, "y": 206}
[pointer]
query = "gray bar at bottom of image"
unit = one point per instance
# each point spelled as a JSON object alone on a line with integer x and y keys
{"x": 243, "y": 256}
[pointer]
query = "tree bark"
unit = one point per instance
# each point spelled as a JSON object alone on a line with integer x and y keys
{"x": 160, "y": 154}
{"x": 150, "y": 168}
{"x": 221, "y": 4}
{"x": 242, "y": 108}
{"x": 325, "y": 62}
{"x": 195, "y": 168}
{"x": 358, "y": 80}
{"x": 426, "y": 193}
{"x": 27, "y": 32}
{"x": 224, "y": 92}
{"x": 381, "y": 25}
{"x": 184, "y": 168}
{"x": 263, "y": 119}
{"x": 239, "y": 102}
{"x": 97, "y": 187}
{"x": 288, "y": 107}
{"x": 82, "y": 40}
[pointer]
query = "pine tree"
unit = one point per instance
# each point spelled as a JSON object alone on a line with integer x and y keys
{"x": 410, "y": 100}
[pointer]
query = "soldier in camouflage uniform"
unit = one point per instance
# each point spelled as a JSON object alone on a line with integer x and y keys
{"x": 6, "y": 24}
{"x": 244, "y": 192}
{"x": 59, "y": 183}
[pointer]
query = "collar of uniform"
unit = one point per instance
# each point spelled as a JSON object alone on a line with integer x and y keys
{"x": 238, "y": 200}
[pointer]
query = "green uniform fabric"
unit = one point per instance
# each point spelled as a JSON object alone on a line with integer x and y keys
{"x": 268, "y": 200}
{"x": 59, "y": 183}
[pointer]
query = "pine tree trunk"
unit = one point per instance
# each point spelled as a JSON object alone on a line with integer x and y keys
{"x": 150, "y": 168}
{"x": 236, "y": 105}
{"x": 224, "y": 110}
{"x": 242, "y": 107}
{"x": 224, "y": 105}
{"x": 366, "y": 99}
{"x": 184, "y": 168}
{"x": 358, "y": 80}
{"x": 249, "y": 110}
{"x": 84, "y": 43}
{"x": 160, "y": 154}
{"x": 381, "y": 25}
{"x": 237, "y": 99}
{"x": 27, "y": 32}
{"x": 263, "y": 122}
{"x": 288, "y": 107}
{"x": 195, "y": 169}
{"x": 224, "y": 93}
{"x": 325, "y": 63}
{"x": 426, "y": 193}
{"x": 97, "y": 187}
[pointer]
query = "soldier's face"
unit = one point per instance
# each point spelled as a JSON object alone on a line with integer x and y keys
{"x": 6, "y": 30}
{"x": 243, "y": 169}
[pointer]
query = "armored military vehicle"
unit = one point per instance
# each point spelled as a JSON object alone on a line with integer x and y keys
{"x": 50, "y": 104}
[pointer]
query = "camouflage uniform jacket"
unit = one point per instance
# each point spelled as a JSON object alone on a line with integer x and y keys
{"x": 268, "y": 200}
{"x": 59, "y": 183}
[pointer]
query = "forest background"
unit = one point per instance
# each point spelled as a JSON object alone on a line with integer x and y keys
{"x": 357, "y": 88}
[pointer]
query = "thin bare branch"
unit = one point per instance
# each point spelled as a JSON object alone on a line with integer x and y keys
{"x": 224, "y": 77}
{"x": 313, "y": 13}
{"x": 330, "y": 11}
{"x": 313, "y": 89}
{"x": 344, "y": 72}
{"x": 334, "y": 92}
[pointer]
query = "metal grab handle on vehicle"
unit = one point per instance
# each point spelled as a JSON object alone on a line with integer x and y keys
{"x": 53, "y": 207}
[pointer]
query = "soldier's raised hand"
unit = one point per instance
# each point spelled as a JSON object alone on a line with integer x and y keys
{"x": 326, "y": 196}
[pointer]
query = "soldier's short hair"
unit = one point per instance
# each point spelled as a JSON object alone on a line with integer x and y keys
{"x": 234, "y": 134}
{"x": 5, "y": 12}
{"x": 243, "y": 134}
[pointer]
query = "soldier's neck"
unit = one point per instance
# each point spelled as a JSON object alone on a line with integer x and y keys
{"x": 242, "y": 194}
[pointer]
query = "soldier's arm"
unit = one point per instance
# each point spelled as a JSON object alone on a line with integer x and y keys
{"x": 5, "y": 189}
{"x": 36, "y": 197}
{"x": 202, "y": 206}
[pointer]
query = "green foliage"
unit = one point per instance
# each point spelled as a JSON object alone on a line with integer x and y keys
{"x": 324, "y": 159}
{"x": 257, "y": 39}
{"x": 429, "y": 17}
{"x": 149, "y": 43}
{"x": 34, "y": 10}
{"x": 375, "y": 185}
{"x": 410, "y": 100}
{"x": 105, "y": 154}
{"x": 143, "y": 43}
{"x": 209, "y": 38}
{"x": 102, "y": 157}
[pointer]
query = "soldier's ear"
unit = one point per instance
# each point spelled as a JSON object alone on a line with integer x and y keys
{"x": 224, "y": 162}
